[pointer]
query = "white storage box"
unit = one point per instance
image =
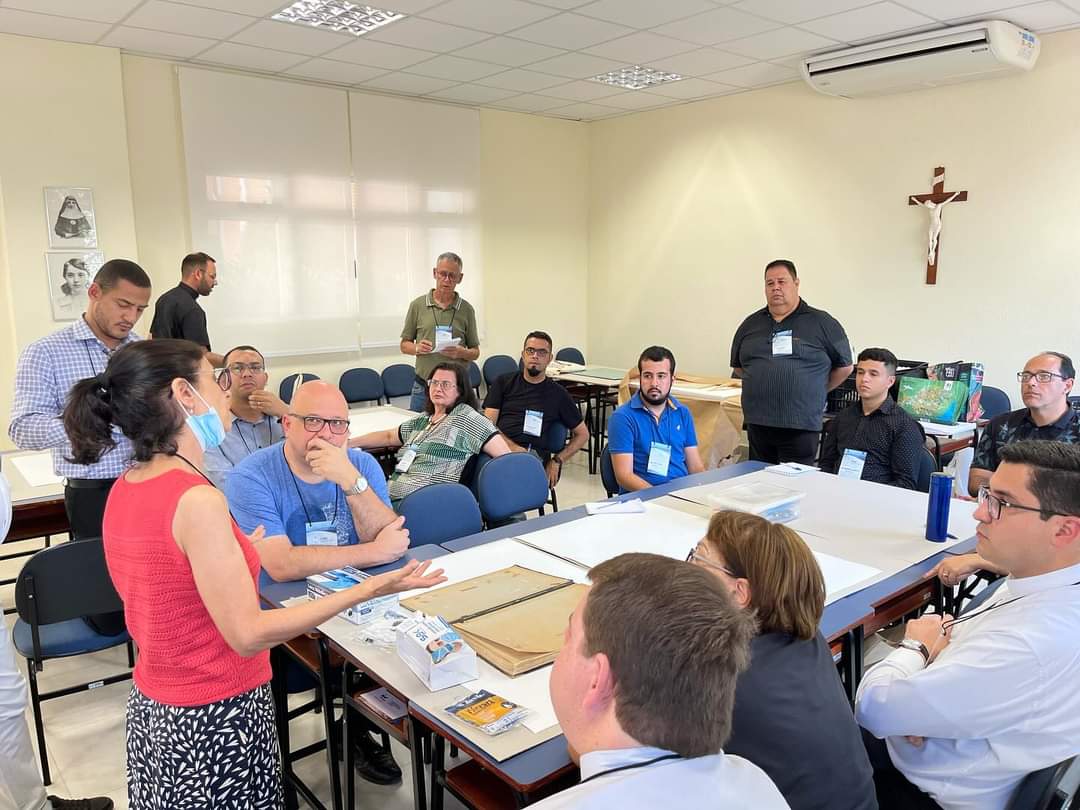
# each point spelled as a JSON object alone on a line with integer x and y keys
{"x": 340, "y": 579}
{"x": 435, "y": 653}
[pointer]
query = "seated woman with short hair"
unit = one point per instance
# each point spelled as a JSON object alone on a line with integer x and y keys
{"x": 438, "y": 444}
{"x": 792, "y": 718}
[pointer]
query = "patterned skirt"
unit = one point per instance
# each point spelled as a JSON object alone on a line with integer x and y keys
{"x": 222, "y": 756}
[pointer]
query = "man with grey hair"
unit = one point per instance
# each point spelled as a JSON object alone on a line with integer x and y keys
{"x": 439, "y": 323}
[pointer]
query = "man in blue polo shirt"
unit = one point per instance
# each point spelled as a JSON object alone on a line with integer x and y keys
{"x": 652, "y": 437}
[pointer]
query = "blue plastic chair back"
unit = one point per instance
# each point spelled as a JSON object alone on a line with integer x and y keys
{"x": 927, "y": 467}
{"x": 361, "y": 385}
{"x": 994, "y": 402}
{"x": 475, "y": 378}
{"x": 557, "y": 436}
{"x": 607, "y": 473}
{"x": 498, "y": 365}
{"x": 439, "y": 513}
{"x": 398, "y": 380}
{"x": 568, "y": 354}
{"x": 1045, "y": 789}
{"x": 290, "y": 383}
{"x": 511, "y": 484}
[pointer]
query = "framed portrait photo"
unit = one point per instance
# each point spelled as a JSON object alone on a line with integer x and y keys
{"x": 70, "y": 216}
{"x": 70, "y": 273}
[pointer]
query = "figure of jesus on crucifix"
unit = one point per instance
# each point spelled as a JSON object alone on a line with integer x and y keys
{"x": 934, "y": 202}
{"x": 935, "y": 223}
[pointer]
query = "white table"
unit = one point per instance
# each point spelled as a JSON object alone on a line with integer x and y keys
{"x": 377, "y": 417}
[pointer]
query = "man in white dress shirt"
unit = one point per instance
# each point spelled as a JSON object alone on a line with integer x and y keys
{"x": 644, "y": 688}
{"x": 969, "y": 707}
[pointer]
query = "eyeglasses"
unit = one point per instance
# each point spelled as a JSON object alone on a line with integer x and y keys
{"x": 694, "y": 557}
{"x": 541, "y": 353}
{"x": 994, "y": 505}
{"x": 223, "y": 378}
{"x": 441, "y": 385}
{"x": 313, "y": 424}
{"x": 445, "y": 275}
{"x": 239, "y": 368}
{"x": 1043, "y": 377}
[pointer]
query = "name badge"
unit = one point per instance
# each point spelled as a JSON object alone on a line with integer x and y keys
{"x": 443, "y": 335}
{"x": 851, "y": 465}
{"x": 781, "y": 343}
{"x": 321, "y": 533}
{"x": 659, "y": 459}
{"x": 534, "y": 422}
{"x": 406, "y": 460}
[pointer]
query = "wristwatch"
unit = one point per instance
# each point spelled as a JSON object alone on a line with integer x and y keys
{"x": 360, "y": 485}
{"x": 917, "y": 646}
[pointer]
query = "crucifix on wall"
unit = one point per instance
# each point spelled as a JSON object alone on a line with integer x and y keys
{"x": 934, "y": 202}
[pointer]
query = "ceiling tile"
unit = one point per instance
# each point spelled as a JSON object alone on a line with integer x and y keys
{"x": 1040, "y": 16}
{"x": 571, "y": 31}
{"x": 453, "y": 67}
{"x": 472, "y": 94}
{"x": 291, "y": 37}
{"x": 507, "y": 51}
{"x": 408, "y": 84}
{"x": 693, "y": 88}
{"x": 720, "y": 25}
{"x": 484, "y": 15}
{"x": 576, "y": 65}
{"x": 50, "y": 27}
{"x": 881, "y": 19}
{"x": 180, "y": 19}
{"x": 254, "y": 8}
{"x": 579, "y": 91}
{"x": 797, "y": 11}
{"x": 758, "y": 74}
{"x": 699, "y": 62}
{"x": 232, "y": 53}
{"x": 524, "y": 81}
{"x": 781, "y": 42}
{"x": 378, "y": 54}
{"x": 157, "y": 42}
{"x": 99, "y": 11}
{"x": 636, "y": 49}
{"x": 584, "y": 112}
{"x": 634, "y": 100}
{"x": 414, "y": 32}
{"x": 956, "y": 8}
{"x": 644, "y": 13}
{"x": 527, "y": 102}
{"x": 330, "y": 71}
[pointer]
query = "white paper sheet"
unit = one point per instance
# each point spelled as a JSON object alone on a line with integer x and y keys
{"x": 843, "y": 577}
{"x": 957, "y": 430}
{"x": 36, "y": 469}
{"x": 369, "y": 420}
{"x": 633, "y": 506}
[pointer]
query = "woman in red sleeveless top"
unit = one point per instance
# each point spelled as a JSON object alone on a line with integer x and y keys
{"x": 200, "y": 719}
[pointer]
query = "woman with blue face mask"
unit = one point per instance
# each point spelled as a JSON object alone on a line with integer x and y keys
{"x": 200, "y": 719}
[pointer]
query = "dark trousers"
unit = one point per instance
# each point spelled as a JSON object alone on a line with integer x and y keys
{"x": 894, "y": 791}
{"x": 778, "y": 445}
{"x": 84, "y": 502}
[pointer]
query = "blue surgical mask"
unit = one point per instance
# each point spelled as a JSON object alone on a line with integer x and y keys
{"x": 207, "y": 427}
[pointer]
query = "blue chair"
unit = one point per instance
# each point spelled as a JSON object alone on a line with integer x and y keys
{"x": 607, "y": 473}
{"x": 361, "y": 385}
{"x": 497, "y": 365}
{"x": 471, "y": 473}
{"x": 927, "y": 467}
{"x": 475, "y": 378}
{"x": 291, "y": 383}
{"x": 55, "y": 589}
{"x": 439, "y": 513}
{"x": 994, "y": 402}
{"x": 568, "y": 354}
{"x": 397, "y": 380}
{"x": 510, "y": 485}
{"x": 557, "y": 437}
{"x": 1048, "y": 789}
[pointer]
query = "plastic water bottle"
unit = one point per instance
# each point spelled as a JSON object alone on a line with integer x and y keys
{"x": 937, "y": 511}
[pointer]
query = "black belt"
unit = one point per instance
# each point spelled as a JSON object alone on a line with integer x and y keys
{"x": 89, "y": 483}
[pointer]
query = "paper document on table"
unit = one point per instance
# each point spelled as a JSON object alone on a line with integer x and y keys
{"x": 36, "y": 469}
{"x": 959, "y": 429}
{"x": 369, "y": 420}
{"x": 843, "y": 576}
{"x": 633, "y": 506}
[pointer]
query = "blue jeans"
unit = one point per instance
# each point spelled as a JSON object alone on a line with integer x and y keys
{"x": 419, "y": 397}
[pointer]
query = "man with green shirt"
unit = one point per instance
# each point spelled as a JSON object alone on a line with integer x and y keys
{"x": 439, "y": 325}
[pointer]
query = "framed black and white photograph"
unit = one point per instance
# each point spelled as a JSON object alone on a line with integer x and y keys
{"x": 70, "y": 274}
{"x": 69, "y": 213}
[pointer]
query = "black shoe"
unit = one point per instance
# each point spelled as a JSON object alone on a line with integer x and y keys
{"x": 374, "y": 763}
{"x": 98, "y": 803}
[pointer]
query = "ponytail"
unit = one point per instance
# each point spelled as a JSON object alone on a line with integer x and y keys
{"x": 88, "y": 420}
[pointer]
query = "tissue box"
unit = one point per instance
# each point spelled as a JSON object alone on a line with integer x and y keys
{"x": 340, "y": 579}
{"x": 435, "y": 653}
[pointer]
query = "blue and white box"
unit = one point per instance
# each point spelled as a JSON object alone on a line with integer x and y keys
{"x": 340, "y": 579}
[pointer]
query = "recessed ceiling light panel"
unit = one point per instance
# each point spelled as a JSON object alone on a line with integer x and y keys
{"x": 337, "y": 15}
{"x": 635, "y": 77}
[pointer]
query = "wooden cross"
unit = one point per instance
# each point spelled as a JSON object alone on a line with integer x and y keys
{"x": 934, "y": 202}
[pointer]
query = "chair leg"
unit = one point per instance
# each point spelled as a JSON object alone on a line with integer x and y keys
{"x": 131, "y": 653}
{"x": 39, "y": 725}
{"x": 554, "y": 500}
{"x": 453, "y": 751}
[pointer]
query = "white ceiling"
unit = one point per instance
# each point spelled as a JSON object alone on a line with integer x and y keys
{"x": 525, "y": 55}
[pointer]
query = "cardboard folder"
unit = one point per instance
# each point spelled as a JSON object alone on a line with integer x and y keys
{"x": 514, "y": 618}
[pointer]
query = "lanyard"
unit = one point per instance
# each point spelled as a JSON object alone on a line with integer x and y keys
{"x": 631, "y": 767}
{"x": 254, "y": 433}
{"x": 90, "y": 359}
{"x": 434, "y": 317}
{"x": 985, "y": 610}
{"x": 296, "y": 486}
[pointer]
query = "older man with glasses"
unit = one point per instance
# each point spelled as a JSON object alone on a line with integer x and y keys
{"x": 967, "y": 707}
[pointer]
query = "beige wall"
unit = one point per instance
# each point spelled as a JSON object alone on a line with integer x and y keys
{"x": 688, "y": 204}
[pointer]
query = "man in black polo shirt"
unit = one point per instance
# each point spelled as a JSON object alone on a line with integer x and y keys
{"x": 524, "y": 406}
{"x": 177, "y": 313}
{"x": 874, "y": 439}
{"x": 789, "y": 356}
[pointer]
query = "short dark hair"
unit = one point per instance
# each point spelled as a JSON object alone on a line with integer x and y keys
{"x": 116, "y": 270}
{"x": 538, "y": 335}
{"x": 1068, "y": 370}
{"x": 786, "y": 263}
{"x": 225, "y": 360}
{"x": 676, "y": 643}
{"x": 466, "y": 393}
{"x": 133, "y": 393}
{"x": 656, "y": 354}
{"x": 1055, "y": 473}
{"x": 195, "y": 261}
{"x": 451, "y": 257}
{"x": 880, "y": 356}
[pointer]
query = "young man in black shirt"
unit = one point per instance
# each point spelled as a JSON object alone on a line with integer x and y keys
{"x": 524, "y": 405}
